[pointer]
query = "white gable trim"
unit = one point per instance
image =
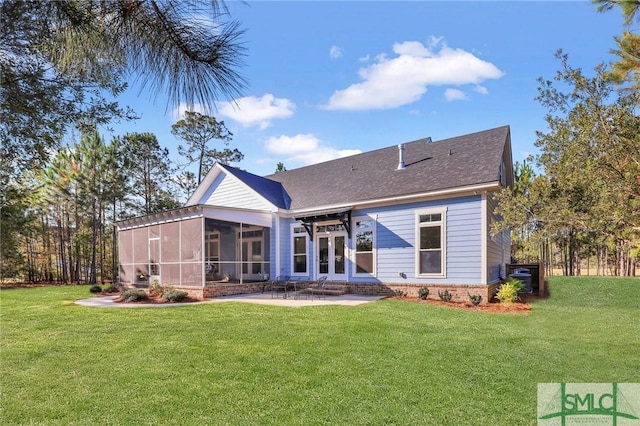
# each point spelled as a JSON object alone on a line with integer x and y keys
{"x": 208, "y": 180}
{"x": 202, "y": 193}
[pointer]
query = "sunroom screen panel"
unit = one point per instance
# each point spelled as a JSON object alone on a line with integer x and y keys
{"x": 140, "y": 245}
{"x": 170, "y": 242}
{"x": 191, "y": 240}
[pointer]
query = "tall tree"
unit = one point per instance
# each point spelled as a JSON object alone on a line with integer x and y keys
{"x": 59, "y": 58}
{"x": 628, "y": 67}
{"x": 93, "y": 193}
{"x": 197, "y": 130}
{"x": 589, "y": 196}
{"x": 150, "y": 172}
{"x": 280, "y": 167}
{"x": 63, "y": 62}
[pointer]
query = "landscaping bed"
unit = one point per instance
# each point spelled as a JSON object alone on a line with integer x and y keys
{"x": 494, "y": 307}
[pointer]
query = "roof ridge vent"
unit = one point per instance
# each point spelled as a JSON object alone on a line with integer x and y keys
{"x": 401, "y": 165}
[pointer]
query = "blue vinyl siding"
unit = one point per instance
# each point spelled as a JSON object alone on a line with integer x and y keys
{"x": 395, "y": 243}
{"x": 498, "y": 246}
{"x": 396, "y": 233}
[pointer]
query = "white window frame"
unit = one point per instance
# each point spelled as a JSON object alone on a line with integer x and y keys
{"x": 354, "y": 238}
{"x": 442, "y": 211}
{"x": 300, "y": 233}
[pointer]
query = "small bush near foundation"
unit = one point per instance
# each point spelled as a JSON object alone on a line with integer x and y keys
{"x": 399, "y": 293}
{"x": 133, "y": 295}
{"x": 95, "y": 289}
{"x": 423, "y": 293}
{"x": 155, "y": 289}
{"x": 174, "y": 295}
{"x": 445, "y": 295}
{"x": 111, "y": 288}
{"x": 475, "y": 299}
{"x": 515, "y": 282}
{"x": 508, "y": 292}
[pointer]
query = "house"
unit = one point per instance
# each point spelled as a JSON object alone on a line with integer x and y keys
{"x": 403, "y": 217}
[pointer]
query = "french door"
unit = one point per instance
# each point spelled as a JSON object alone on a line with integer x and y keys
{"x": 331, "y": 256}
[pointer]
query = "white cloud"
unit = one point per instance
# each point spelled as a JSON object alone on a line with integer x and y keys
{"x": 405, "y": 78}
{"x": 454, "y": 95}
{"x": 482, "y": 90}
{"x": 364, "y": 58}
{"x": 304, "y": 149}
{"x": 253, "y": 111}
{"x": 336, "y": 52}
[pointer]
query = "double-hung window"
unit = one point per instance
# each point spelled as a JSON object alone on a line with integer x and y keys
{"x": 365, "y": 241}
{"x": 299, "y": 250}
{"x": 431, "y": 242}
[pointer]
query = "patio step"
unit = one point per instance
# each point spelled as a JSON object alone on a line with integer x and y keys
{"x": 330, "y": 290}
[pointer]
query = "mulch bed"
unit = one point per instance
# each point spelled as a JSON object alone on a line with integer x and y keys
{"x": 493, "y": 307}
{"x": 153, "y": 300}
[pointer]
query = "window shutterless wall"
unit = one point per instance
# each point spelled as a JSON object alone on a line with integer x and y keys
{"x": 395, "y": 241}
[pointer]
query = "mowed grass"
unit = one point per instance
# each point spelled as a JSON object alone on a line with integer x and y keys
{"x": 387, "y": 362}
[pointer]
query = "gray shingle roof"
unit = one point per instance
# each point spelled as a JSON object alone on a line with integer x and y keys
{"x": 271, "y": 190}
{"x": 460, "y": 161}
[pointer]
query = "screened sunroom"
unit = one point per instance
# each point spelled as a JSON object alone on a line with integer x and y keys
{"x": 195, "y": 247}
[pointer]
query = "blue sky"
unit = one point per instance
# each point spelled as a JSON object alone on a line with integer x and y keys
{"x": 329, "y": 79}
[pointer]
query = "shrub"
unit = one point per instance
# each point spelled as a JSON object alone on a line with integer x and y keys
{"x": 112, "y": 288}
{"x": 399, "y": 293}
{"x": 475, "y": 299}
{"x": 95, "y": 289}
{"x": 445, "y": 295}
{"x": 155, "y": 289}
{"x": 133, "y": 295}
{"x": 508, "y": 292}
{"x": 173, "y": 295}
{"x": 516, "y": 283}
{"x": 423, "y": 293}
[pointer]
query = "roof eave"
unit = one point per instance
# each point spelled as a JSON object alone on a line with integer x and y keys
{"x": 401, "y": 199}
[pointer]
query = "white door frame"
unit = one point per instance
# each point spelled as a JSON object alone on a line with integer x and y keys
{"x": 330, "y": 236}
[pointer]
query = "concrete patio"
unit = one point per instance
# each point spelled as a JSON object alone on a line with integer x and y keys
{"x": 298, "y": 300}
{"x": 265, "y": 298}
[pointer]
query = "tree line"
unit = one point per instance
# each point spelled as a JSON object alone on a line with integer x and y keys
{"x": 64, "y": 230}
{"x": 583, "y": 210}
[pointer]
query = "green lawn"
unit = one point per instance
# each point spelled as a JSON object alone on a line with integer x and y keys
{"x": 387, "y": 362}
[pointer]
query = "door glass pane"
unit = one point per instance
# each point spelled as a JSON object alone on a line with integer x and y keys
{"x": 323, "y": 255}
{"x": 339, "y": 260}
